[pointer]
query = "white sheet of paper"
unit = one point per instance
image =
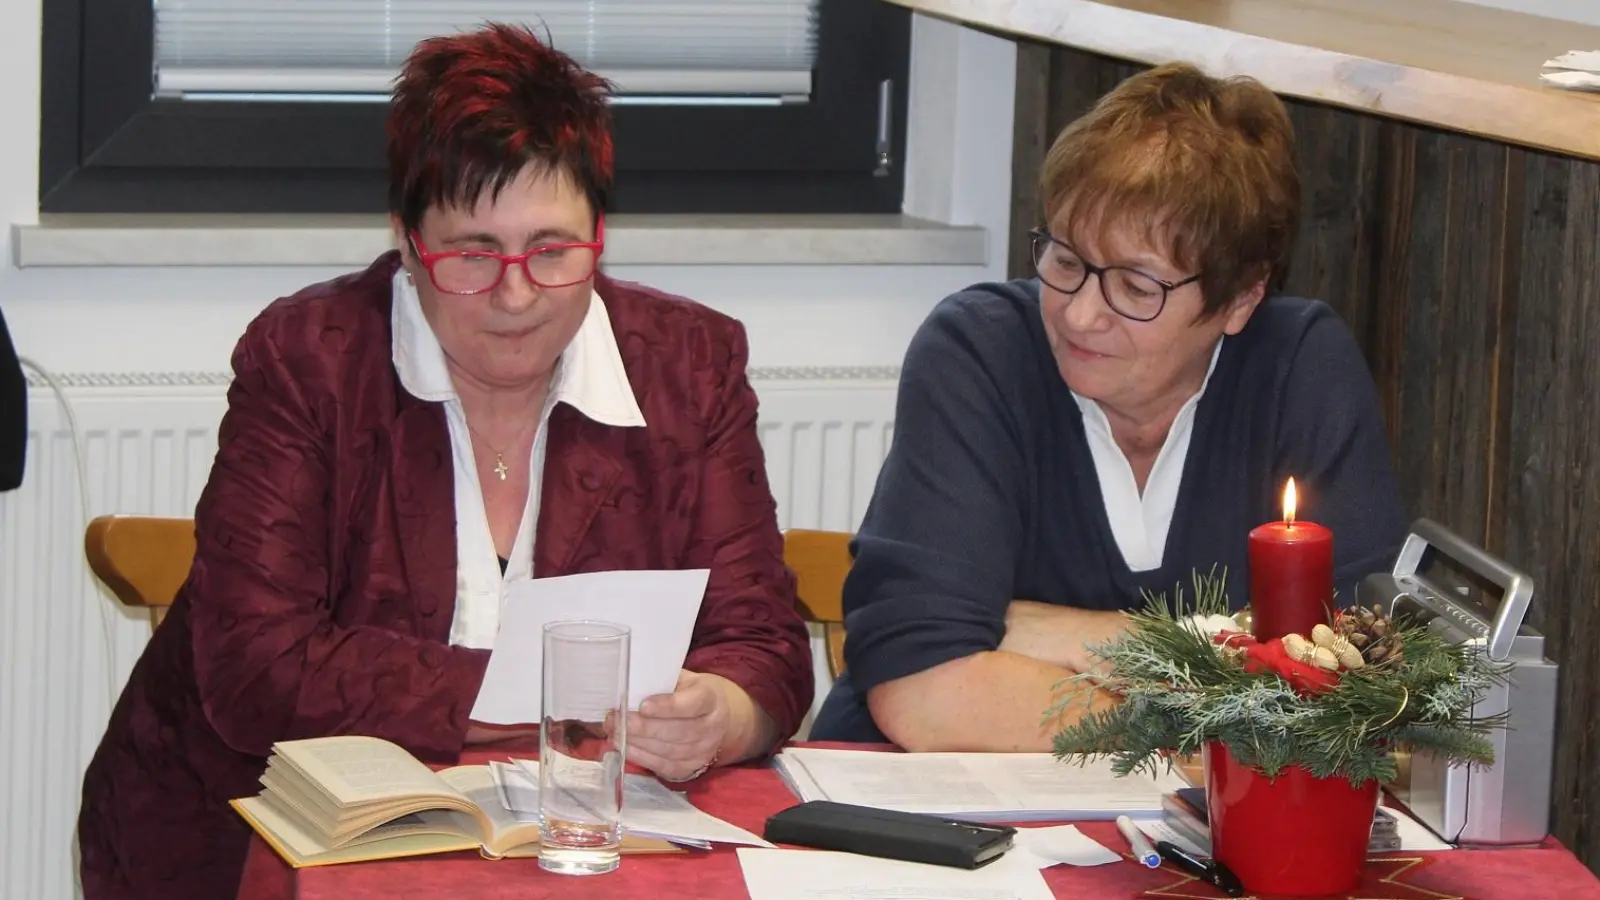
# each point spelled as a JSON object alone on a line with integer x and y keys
{"x": 1012, "y": 787}
{"x": 519, "y": 794}
{"x": 1576, "y": 60}
{"x": 1057, "y": 844}
{"x": 658, "y": 607}
{"x": 1576, "y": 70}
{"x": 649, "y": 808}
{"x": 826, "y": 875}
{"x": 1572, "y": 80}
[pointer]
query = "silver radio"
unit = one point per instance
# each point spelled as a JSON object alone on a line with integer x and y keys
{"x": 1470, "y": 597}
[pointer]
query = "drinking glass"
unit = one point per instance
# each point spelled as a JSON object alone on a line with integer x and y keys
{"x": 582, "y": 745}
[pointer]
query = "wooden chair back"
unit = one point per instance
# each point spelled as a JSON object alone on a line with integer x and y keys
{"x": 820, "y": 561}
{"x": 143, "y": 560}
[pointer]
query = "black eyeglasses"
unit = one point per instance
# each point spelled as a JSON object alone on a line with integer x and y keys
{"x": 1130, "y": 293}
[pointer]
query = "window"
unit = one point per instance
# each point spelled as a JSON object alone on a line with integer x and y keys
{"x": 277, "y": 105}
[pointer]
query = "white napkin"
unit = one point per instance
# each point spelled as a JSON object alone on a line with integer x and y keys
{"x": 1575, "y": 70}
{"x": 1061, "y": 844}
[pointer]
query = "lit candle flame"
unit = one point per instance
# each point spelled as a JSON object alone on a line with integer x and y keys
{"x": 1289, "y": 502}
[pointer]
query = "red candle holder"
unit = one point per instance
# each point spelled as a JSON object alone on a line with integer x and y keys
{"x": 1294, "y": 835}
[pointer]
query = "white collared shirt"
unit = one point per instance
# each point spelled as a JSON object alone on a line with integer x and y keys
{"x": 1140, "y": 522}
{"x": 589, "y": 377}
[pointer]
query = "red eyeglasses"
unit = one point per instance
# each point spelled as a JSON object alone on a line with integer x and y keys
{"x": 478, "y": 271}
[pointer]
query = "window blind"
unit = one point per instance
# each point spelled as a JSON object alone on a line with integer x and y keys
{"x": 356, "y": 47}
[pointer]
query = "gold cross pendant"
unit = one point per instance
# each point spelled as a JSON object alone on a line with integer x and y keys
{"x": 500, "y": 466}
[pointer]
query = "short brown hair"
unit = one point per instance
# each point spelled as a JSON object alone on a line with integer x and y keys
{"x": 1202, "y": 167}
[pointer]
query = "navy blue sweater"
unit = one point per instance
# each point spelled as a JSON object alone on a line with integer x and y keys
{"x": 989, "y": 491}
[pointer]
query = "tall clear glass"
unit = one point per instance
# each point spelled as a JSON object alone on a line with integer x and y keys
{"x": 582, "y": 745}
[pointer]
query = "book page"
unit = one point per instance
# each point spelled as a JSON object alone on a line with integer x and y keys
{"x": 909, "y": 782}
{"x": 499, "y": 827}
{"x": 827, "y": 875}
{"x": 1040, "y": 782}
{"x": 651, "y": 809}
{"x": 410, "y": 836}
{"x": 507, "y": 834}
{"x": 995, "y": 786}
{"x": 291, "y": 793}
{"x": 355, "y": 770}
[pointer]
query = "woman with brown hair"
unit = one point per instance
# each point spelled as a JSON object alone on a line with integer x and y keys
{"x": 1107, "y": 428}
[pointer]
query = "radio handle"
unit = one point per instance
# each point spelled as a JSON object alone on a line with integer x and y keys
{"x": 1517, "y": 586}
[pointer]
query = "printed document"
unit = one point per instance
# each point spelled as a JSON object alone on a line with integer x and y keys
{"x": 658, "y": 607}
{"x": 996, "y": 787}
{"x": 650, "y": 809}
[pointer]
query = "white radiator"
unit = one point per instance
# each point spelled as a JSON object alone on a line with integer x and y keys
{"x": 147, "y": 443}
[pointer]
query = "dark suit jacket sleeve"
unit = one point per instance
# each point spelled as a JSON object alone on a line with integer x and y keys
{"x": 936, "y": 554}
{"x": 750, "y": 630}
{"x": 272, "y": 660}
{"x": 1333, "y": 442}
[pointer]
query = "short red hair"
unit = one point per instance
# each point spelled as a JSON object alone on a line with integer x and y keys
{"x": 470, "y": 111}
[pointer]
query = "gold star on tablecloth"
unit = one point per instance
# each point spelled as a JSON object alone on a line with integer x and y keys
{"x": 1383, "y": 879}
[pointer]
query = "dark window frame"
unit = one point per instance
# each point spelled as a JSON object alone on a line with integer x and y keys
{"x": 107, "y": 146}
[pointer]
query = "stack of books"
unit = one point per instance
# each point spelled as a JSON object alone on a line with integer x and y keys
{"x": 1184, "y": 810}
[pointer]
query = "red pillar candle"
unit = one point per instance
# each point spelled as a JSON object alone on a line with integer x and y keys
{"x": 1291, "y": 575}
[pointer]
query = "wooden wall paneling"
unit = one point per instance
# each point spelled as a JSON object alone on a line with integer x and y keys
{"x": 1384, "y": 339}
{"x": 1553, "y": 506}
{"x": 1337, "y": 251}
{"x": 1029, "y": 141}
{"x": 1506, "y": 284}
{"x": 1079, "y": 79}
{"x": 1451, "y": 303}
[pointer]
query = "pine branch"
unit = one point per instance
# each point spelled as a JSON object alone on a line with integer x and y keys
{"x": 1180, "y": 692}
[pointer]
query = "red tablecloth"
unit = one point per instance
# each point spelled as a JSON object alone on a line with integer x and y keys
{"x": 746, "y": 796}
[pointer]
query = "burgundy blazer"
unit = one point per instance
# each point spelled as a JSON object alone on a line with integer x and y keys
{"x": 324, "y": 581}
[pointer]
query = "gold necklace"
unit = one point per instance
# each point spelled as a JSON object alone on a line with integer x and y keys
{"x": 500, "y": 467}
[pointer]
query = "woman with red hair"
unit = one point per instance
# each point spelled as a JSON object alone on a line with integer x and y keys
{"x": 477, "y": 407}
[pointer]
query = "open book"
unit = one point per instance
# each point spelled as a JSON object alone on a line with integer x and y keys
{"x": 349, "y": 799}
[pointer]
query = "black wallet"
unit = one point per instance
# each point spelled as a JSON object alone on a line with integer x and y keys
{"x": 825, "y": 825}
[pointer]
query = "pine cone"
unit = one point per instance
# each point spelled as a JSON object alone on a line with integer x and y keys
{"x": 1370, "y": 632}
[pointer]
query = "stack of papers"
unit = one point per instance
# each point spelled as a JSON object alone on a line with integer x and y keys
{"x": 649, "y": 808}
{"x": 1575, "y": 70}
{"x": 991, "y": 787}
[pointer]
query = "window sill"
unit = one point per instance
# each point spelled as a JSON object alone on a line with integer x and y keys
{"x": 683, "y": 240}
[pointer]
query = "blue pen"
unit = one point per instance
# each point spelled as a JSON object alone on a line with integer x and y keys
{"x": 1142, "y": 850}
